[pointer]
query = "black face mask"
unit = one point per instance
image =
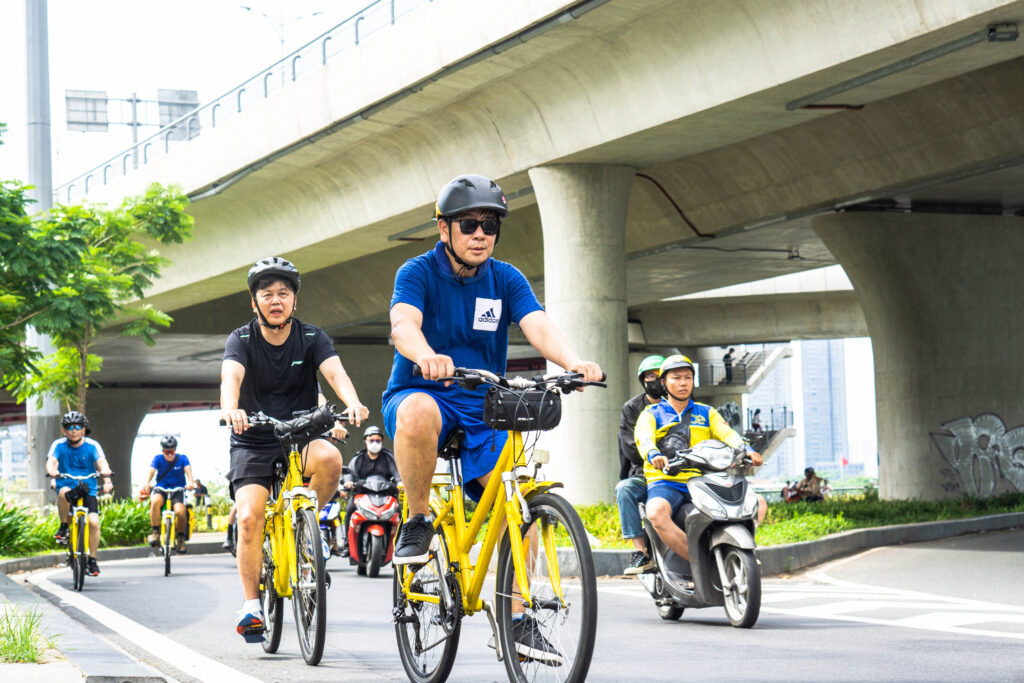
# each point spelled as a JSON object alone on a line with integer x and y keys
{"x": 654, "y": 388}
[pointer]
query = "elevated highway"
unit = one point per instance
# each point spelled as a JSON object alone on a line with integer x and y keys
{"x": 648, "y": 150}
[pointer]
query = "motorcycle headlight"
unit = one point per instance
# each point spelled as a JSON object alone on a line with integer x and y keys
{"x": 707, "y": 504}
{"x": 749, "y": 503}
{"x": 388, "y": 514}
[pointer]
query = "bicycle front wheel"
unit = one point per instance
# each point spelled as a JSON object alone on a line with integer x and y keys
{"x": 272, "y": 603}
{"x": 553, "y": 639}
{"x": 428, "y": 635}
{"x": 168, "y": 545}
{"x": 309, "y": 597}
{"x": 78, "y": 558}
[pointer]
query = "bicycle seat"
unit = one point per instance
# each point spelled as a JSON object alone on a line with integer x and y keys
{"x": 452, "y": 445}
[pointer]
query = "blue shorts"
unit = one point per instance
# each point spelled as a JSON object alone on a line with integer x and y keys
{"x": 675, "y": 496}
{"x": 480, "y": 449}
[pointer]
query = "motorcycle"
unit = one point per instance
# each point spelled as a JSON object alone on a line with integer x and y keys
{"x": 330, "y": 521}
{"x": 719, "y": 526}
{"x": 373, "y": 524}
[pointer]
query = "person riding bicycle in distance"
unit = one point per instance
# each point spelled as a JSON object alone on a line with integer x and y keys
{"x": 452, "y": 306}
{"x": 270, "y": 365}
{"x": 675, "y": 423}
{"x": 171, "y": 469}
{"x": 79, "y": 455}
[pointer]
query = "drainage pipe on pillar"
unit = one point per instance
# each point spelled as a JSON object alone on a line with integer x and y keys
{"x": 583, "y": 214}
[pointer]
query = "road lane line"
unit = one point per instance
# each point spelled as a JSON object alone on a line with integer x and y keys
{"x": 170, "y": 651}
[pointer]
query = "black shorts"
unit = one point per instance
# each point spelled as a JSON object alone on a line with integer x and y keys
{"x": 176, "y": 497}
{"x": 91, "y": 503}
{"x": 254, "y": 465}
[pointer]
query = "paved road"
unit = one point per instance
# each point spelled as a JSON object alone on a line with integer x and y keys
{"x": 947, "y": 610}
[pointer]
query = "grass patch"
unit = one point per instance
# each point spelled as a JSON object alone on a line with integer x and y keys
{"x": 795, "y": 522}
{"x": 21, "y": 635}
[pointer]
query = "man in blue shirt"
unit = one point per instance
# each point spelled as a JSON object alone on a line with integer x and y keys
{"x": 78, "y": 455}
{"x": 171, "y": 469}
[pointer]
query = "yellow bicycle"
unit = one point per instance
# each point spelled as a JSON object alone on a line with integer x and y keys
{"x": 78, "y": 538}
{"x": 168, "y": 526}
{"x": 293, "y": 558}
{"x": 544, "y": 588}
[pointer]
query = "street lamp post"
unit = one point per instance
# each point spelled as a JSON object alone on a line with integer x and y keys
{"x": 281, "y": 28}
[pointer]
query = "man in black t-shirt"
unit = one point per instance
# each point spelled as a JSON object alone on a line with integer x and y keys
{"x": 270, "y": 364}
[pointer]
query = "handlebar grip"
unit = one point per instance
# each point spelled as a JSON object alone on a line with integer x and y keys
{"x": 223, "y": 422}
{"x": 416, "y": 371}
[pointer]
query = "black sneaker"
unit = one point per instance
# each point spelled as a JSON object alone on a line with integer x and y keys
{"x": 638, "y": 564}
{"x": 91, "y": 568}
{"x": 62, "y": 535}
{"x": 413, "y": 546}
{"x": 531, "y": 643}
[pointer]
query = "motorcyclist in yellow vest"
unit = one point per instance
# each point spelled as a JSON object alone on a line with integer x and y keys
{"x": 678, "y": 422}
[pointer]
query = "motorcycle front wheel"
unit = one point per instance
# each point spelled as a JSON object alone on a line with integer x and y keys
{"x": 375, "y": 558}
{"x": 742, "y": 578}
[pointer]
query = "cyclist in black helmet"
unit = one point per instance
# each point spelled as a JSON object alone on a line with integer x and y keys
{"x": 271, "y": 365}
{"x": 452, "y": 307}
{"x": 172, "y": 469}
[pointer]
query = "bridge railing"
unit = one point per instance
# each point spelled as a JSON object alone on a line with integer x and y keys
{"x": 218, "y": 112}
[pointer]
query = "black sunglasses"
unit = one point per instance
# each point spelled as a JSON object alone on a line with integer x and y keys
{"x": 468, "y": 226}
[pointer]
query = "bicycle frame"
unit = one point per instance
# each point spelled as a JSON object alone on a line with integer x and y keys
{"x": 450, "y": 519}
{"x": 279, "y": 525}
{"x": 167, "y": 516}
{"x": 78, "y": 511}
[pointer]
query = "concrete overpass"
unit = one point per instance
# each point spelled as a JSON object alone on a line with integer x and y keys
{"x": 649, "y": 150}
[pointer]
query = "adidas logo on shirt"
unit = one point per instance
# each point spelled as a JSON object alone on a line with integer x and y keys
{"x": 487, "y": 314}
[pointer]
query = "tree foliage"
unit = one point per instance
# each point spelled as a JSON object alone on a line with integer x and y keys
{"x": 70, "y": 273}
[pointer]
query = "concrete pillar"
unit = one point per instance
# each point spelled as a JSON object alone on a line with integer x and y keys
{"x": 941, "y": 297}
{"x": 369, "y": 367}
{"x": 114, "y": 417}
{"x": 583, "y": 213}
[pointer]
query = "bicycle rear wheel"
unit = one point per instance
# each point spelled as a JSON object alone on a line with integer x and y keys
{"x": 428, "y": 635}
{"x": 78, "y": 559}
{"x": 272, "y": 603}
{"x": 309, "y": 599}
{"x": 555, "y": 639}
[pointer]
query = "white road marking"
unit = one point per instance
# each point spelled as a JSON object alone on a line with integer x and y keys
{"x": 170, "y": 651}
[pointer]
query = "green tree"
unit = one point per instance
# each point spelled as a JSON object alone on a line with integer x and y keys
{"x": 72, "y": 272}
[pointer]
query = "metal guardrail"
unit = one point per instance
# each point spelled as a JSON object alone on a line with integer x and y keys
{"x": 314, "y": 54}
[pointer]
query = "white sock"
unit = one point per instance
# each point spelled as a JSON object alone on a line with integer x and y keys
{"x": 251, "y": 606}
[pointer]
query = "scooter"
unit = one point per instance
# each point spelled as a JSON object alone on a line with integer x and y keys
{"x": 330, "y": 521}
{"x": 373, "y": 524}
{"x": 719, "y": 526}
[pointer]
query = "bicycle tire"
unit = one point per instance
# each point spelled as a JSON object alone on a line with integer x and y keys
{"x": 78, "y": 561}
{"x": 309, "y": 596}
{"x": 168, "y": 540}
{"x": 272, "y": 603}
{"x": 434, "y": 664}
{"x": 569, "y": 630}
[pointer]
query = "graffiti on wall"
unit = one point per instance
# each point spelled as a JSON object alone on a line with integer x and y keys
{"x": 981, "y": 453}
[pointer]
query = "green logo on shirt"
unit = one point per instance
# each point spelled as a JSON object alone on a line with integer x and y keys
{"x": 296, "y": 362}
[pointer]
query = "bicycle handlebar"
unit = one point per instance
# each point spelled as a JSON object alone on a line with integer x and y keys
{"x": 166, "y": 490}
{"x": 470, "y": 378}
{"x": 65, "y": 475}
{"x": 261, "y": 419}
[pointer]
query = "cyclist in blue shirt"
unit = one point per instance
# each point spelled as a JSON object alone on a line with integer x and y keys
{"x": 171, "y": 469}
{"x": 452, "y": 306}
{"x": 79, "y": 455}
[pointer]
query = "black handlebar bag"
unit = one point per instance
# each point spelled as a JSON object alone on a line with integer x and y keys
{"x": 523, "y": 411}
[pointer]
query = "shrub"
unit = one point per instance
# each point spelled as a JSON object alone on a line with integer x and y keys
{"x": 24, "y": 531}
{"x": 124, "y": 522}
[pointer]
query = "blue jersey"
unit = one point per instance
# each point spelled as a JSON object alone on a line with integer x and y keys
{"x": 78, "y": 460}
{"x": 171, "y": 474}
{"x": 464, "y": 318}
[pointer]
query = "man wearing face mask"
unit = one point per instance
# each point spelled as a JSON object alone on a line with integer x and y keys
{"x": 632, "y": 489}
{"x": 374, "y": 459}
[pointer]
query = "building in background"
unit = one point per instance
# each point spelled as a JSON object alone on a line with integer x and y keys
{"x": 13, "y": 452}
{"x": 826, "y": 444}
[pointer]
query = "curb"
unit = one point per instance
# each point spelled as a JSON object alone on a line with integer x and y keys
{"x": 782, "y": 559}
{"x": 28, "y": 564}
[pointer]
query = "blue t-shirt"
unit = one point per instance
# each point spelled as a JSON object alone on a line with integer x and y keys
{"x": 79, "y": 460}
{"x": 465, "y": 318}
{"x": 171, "y": 474}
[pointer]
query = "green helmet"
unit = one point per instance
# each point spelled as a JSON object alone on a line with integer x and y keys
{"x": 648, "y": 364}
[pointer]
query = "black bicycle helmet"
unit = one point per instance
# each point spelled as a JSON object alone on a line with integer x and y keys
{"x": 470, "y": 191}
{"x": 168, "y": 442}
{"x": 373, "y": 431}
{"x": 275, "y": 266}
{"x": 73, "y": 418}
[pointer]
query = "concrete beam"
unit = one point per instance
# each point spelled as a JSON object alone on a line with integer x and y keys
{"x": 751, "y": 319}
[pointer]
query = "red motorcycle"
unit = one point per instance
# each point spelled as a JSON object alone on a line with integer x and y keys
{"x": 373, "y": 524}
